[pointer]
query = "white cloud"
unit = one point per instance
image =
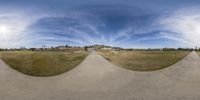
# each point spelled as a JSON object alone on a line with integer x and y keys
{"x": 12, "y": 26}
{"x": 186, "y": 23}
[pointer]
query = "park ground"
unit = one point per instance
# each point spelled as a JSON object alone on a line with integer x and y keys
{"x": 144, "y": 60}
{"x": 43, "y": 63}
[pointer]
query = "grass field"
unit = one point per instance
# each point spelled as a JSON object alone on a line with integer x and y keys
{"x": 42, "y": 63}
{"x": 144, "y": 60}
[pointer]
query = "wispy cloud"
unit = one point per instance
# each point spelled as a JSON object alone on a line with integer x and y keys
{"x": 116, "y": 25}
{"x": 94, "y": 25}
{"x": 12, "y": 26}
{"x": 185, "y": 23}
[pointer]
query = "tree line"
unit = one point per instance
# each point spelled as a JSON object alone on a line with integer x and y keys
{"x": 99, "y": 47}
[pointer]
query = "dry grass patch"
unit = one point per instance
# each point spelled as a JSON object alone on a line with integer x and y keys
{"x": 44, "y": 63}
{"x": 198, "y": 53}
{"x": 144, "y": 60}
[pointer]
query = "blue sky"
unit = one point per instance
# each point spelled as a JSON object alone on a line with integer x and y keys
{"x": 124, "y": 23}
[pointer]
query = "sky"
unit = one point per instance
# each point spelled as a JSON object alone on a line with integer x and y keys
{"x": 122, "y": 23}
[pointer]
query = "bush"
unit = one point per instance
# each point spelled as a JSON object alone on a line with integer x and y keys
{"x": 1, "y": 49}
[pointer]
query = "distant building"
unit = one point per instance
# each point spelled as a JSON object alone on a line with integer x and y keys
{"x": 61, "y": 47}
{"x": 90, "y": 49}
{"x": 106, "y": 48}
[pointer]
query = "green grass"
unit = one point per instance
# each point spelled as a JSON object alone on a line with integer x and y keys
{"x": 42, "y": 63}
{"x": 144, "y": 60}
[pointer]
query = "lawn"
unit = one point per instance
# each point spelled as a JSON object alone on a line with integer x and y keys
{"x": 144, "y": 60}
{"x": 46, "y": 63}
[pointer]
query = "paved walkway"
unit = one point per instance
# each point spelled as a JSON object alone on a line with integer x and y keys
{"x": 97, "y": 79}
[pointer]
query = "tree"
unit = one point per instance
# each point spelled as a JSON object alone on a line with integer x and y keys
{"x": 1, "y": 49}
{"x": 32, "y": 49}
{"x": 196, "y": 49}
{"x": 86, "y": 48}
{"x": 66, "y": 45}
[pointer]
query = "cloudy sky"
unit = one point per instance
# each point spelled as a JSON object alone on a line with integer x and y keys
{"x": 124, "y": 23}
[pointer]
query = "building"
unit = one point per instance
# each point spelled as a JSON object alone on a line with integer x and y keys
{"x": 106, "y": 48}
{"x": 90, "y": 49}
{"x": 61, "y": 47}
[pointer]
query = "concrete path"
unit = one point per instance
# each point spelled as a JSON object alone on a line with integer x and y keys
{"x": 97, "y": 79}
